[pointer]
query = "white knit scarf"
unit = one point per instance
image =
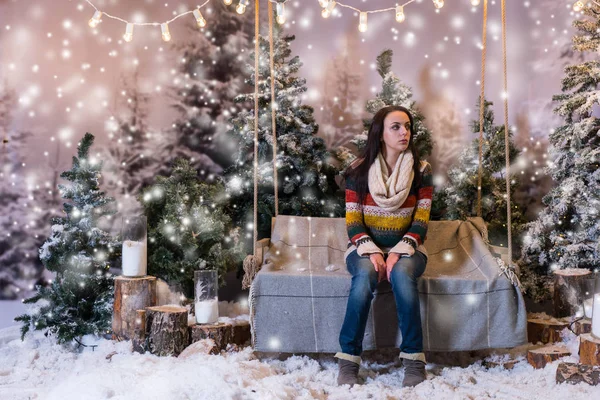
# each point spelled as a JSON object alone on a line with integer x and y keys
{"x": 390, "y": 192}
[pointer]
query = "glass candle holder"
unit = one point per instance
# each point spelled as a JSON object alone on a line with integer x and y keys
{"x": 206, "y": 301}
{"x": 135, "y": 245}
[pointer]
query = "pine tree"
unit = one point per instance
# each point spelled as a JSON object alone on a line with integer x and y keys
{"x": 395, "y": 93}
{"x": 461, "y": 191}
{"x": 567, "y": 231}
{"x": 22, "y": 217}
{"x": 208, "y": 79}
{"x": 187, "y": 228}
{"x": 80, "y": 253}
{"x": 305, "y": 178}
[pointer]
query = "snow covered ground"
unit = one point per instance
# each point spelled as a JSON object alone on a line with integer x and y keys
{"x": 39, "y": 369}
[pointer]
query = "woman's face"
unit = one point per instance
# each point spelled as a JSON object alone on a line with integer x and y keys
{"x": 396, "y": 131}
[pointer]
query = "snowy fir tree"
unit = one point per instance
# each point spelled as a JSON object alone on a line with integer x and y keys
{"x": 461, "y": 190}
{"x": 393, "y": 93}
{"x": 305, "y": 178}
{"x": 342, "y": 107}
{"x": 567, "y": 232}
{"x": 23, "y": 218}
{"x": 133, "y": 157}
{"x": 208, "y": 79}
{"x": 79, "y": 300}
{"x": 187, "y": 228}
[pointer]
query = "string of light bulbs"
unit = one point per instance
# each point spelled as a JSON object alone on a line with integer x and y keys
{"x": 579, "y": 5}
{"x": 329, "y": 5}
{"x": 164, "y": 26}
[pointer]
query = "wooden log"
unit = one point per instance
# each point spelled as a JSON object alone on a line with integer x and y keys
{"x": 204, "y": 346}
{"x": 131, "y": 294}
{"x": 589, "y": 349}
{"x": 545, "y": 330}
{"x": 582, "y": 326}
{"x": 568, "y": 285}
{"x": 576, "y": 373}
{"x": 167, "y": 330}
{"x": 139, "y": 333}
{"x": 220, "y": 332}
{"x": 241, "y": 333}
{"x": 538, "y": 358}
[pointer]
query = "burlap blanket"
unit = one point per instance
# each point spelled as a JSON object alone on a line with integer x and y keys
{"x": 298, "y": 299}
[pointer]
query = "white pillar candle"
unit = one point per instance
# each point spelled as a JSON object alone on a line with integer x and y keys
{"x": 207, "y": 311}
{"x": 134, "y": 258}
{"x": 587, "y": 307}
{"x": 596, "y": 316}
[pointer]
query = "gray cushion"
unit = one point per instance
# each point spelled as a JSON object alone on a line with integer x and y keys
{"x": 298, "y": 299}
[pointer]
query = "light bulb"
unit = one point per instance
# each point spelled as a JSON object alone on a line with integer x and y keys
{"x": 280, "y": 13}
{"x": 166, "y": 35}
{"x": 95, "y": 20}
{"x": 400, "y": 17}
{"x": 323, "y": 3}
{"x": 578, "y": 6}
{"x": 128, "y": 36}
{"x": 438, "y": 3}
{"x": 475, "y": 3}
{"x": 227, "y": 2}
{"x": 362, "y": 25}
{"x": 241, "y": 7}
{"x": 199, "y": 18}
{"x": 329, "y": 9}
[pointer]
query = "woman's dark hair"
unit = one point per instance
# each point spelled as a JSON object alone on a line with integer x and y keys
{"x": 360, "y": 173}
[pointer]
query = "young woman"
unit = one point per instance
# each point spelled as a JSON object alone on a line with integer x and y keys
{"x": 388, "y": 202}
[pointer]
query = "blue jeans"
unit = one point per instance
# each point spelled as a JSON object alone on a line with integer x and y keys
{"x": 404, "y": 285}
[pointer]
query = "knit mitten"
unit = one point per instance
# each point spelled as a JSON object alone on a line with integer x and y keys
{"x": 348, "y": 374}
{"x": 414, "y": 372}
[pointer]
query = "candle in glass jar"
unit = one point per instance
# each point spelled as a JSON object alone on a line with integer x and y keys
{"x": 587, "y": 307}
{"x": 134, "y": 258}
{"x": 207, "y": 311}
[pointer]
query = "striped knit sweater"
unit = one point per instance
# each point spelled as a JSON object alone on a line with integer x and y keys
{"x": 374, "y": 230}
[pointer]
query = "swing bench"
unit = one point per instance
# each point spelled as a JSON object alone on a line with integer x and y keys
{"x": 298, "y": 299}
{"x": 469, "y": 294}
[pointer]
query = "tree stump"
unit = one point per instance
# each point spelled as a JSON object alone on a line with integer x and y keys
{"x": 538, "y": 358}
{"x": 589, "y": 350}
{"x": 221, "y": 333}
{"x": 567, "y": 290}
{"x": 166, "y": 330}
{"x": 582, "y": 326}
{"x": 131, "y": 294}
{"x": 241, "y": 332}
{"x": 545, "y": 330}
{"x": 575, "y": 373}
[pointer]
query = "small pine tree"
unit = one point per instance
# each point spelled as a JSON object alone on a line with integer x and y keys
{"x": 80, "y": 253}
{"x": 567, "y": 231}
{"x": 306, "y": 180}
{"x": 187, "y": 228}
{"x": 461, "y": 191}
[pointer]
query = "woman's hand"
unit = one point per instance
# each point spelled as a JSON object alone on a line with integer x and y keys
{"x": 379, "y": 264}
{"x": 391, "y": 260}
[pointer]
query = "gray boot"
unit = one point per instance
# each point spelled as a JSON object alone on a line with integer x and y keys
{"x": 414, "y": 372}
{"x": 348, "y": 374}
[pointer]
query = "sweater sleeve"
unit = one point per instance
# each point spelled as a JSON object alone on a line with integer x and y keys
{"x": 418, "y": 228}
{"x": 357, "y": 231}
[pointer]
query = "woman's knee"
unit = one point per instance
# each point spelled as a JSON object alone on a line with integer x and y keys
{"x": 407, "y": 269}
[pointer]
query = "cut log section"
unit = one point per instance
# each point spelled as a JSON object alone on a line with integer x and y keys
{"x": 241, "y": 333}
{"x": 166, "y": 330}
{"x": 131, "y": 294}
{"x": 538, "y": 358}
{"x": 568, "y": 284}
{"x": 589, "y": 349}
{"x": 582, "y": 326}
{"x": 545, "y": 330}
{"x": 221, "y": 333}
{"x": 139, "y": 333}
{"x": 576, "y": 373}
